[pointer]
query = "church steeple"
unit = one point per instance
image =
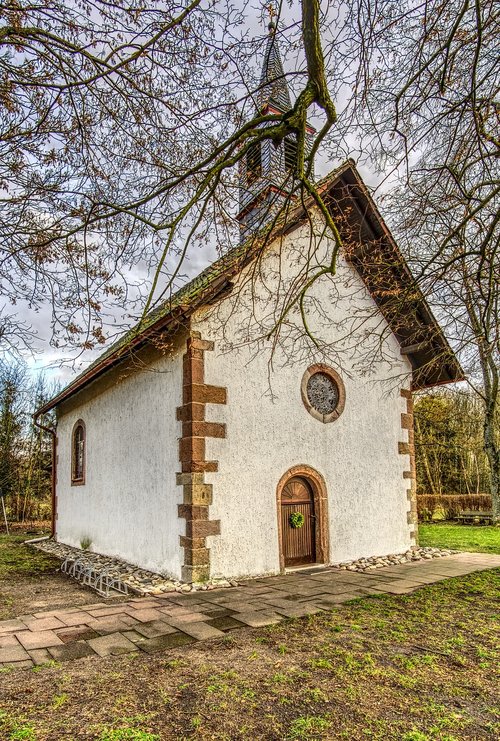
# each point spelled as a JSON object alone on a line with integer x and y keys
{"x": 266, "y": 172}
{"x": 274, "y": 92}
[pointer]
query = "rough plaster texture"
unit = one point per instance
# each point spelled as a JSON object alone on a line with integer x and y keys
{"x": 269, "y": 429}
{"x": 128, "y": 505}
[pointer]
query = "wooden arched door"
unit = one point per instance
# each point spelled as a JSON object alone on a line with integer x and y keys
{"x": 298, "y": 543}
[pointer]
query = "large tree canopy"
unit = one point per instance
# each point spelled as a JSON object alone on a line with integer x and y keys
{"x": 121, "y": 125}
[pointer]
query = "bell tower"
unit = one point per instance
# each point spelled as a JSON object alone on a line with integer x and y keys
{"x": 266, "y": 173}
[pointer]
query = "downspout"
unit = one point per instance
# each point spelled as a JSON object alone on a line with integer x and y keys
{"x": 52, "y": 432}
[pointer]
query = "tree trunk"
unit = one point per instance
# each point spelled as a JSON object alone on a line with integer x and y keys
{"x": 425, "y": 460}
{"x": 482, "y": 323}
{"x": 493, "y": 453}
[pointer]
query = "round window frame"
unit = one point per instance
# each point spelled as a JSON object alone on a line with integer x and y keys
{"x": 322, "y": 368}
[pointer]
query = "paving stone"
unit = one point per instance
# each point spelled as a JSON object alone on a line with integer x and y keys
{"x": 213, "y": 612}
{"x": 56, "y": 613}
{"x": 72, "y": 651}
{"x": 142, "y": 604}
{"x": 217, "y": 599}
{"x": 133, "y": 636}
{"x": 7, "y": 640}
{"x": 258, "y": 619}
{"x": 256, "y": 589}
{"x": 165, "y": 595}
{"x": 281, "y": 594}
{"x": 311, "y": 606}
{"x": 220, "y": 612}
{"x": 241, "y": 606}
{"x": 208, "y": 609}
{"x": 40, "y": 656}
{"x": 13, "y": 653}
{"x": 386, "y": 571}
{"x": 40, "y": 639}
{"x": 77, "y": 633}
{"x": 145, "y": 616}
{"x": 201, "y": 631}
{"x": 401, "y": 583}
{"x": 297, "y": 611}
{"x": 335, "y": 589}
{"x": 225, "y": 623}
{"x": 172, "y": 609}
{"x": 458, "y": 570}
{"x": 11, "y": 626}
{"x": 161, "y": 643}
{"x": 76, "y": 618}
{"x": 128, "y": 619}
{"x": 111, "y": 645}
{"x": 26, "y": 664}
{"x": 420, "y": 579}
{"x": 336, "y": 599}
{"x": 106, "y": 611}
{"x": 370, "y": 590}
{"x": 278, "y": 602}
{"x": 107, "y": 625}
{"x": 154, "y": 628}
{"x": 37, "y": 625}
{"x": 392, "y": 589}
{"x": 188, "y": 617}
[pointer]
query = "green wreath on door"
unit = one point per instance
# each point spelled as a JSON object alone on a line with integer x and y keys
{"x": 296, "y": 520}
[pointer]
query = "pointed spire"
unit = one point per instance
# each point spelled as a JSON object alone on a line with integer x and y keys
{"x": 275, "y": 92}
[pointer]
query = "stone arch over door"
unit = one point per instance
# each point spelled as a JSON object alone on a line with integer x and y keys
{"x": 321, "y": 531}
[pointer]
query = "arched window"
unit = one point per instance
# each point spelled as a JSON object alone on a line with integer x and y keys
{"x": 78, "y": 453}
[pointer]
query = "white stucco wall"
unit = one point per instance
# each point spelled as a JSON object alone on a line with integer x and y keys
{"x": 128, "y": 504}
{"x": 269, "y": 430}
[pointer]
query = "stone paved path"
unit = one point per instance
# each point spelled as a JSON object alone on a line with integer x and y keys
{"x": 165, "y": 621}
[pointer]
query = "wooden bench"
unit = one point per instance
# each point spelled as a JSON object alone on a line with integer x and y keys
{"x": 471, "y": 517}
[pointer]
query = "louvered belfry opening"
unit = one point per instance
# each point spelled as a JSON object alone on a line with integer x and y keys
{"x": 254, "y": 162}
{"x": 299, "y": 543}
{"x": 290, "y": 154}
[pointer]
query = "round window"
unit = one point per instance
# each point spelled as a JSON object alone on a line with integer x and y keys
{"x": 323, "y": 393}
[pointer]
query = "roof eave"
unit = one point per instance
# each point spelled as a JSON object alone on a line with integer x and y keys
{"x": 450, "y": 370}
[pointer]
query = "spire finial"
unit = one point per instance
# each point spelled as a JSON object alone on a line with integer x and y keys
{"x": 273, "y": 85}
{"x": 272, "y": 15}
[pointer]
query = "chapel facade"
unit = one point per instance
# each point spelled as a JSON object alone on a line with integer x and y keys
{"x": 225, "y": 457}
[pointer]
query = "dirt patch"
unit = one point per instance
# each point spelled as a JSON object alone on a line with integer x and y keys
{"x": 420, "y": 667}
{"x": 46, "y": 592}
{"x": 30, "y": 581}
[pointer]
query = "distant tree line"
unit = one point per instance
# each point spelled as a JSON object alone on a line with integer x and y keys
{"x": 25, "y": 450}
{"x": 449, "y": 444}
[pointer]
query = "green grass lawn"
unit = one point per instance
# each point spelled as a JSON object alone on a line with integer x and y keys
{"x": 18, "y": 560}
{"x": 481, "y": 538}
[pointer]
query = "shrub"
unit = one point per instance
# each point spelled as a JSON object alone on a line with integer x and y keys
{"x": 450, "y": 505}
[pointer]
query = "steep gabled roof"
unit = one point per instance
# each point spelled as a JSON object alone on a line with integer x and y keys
{"x": 351, "y": 204}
